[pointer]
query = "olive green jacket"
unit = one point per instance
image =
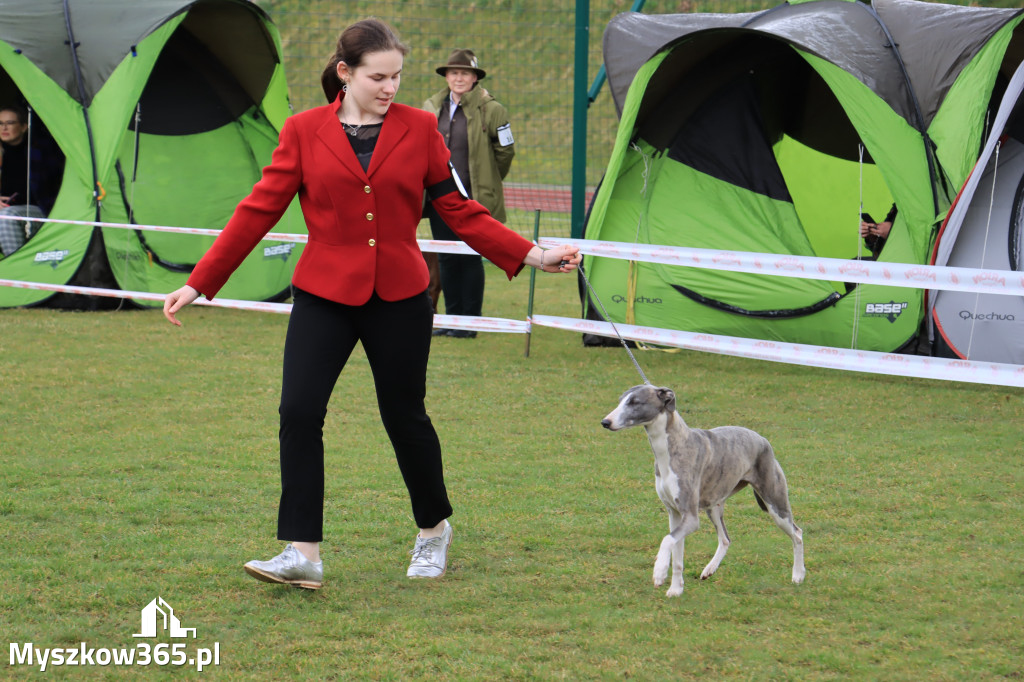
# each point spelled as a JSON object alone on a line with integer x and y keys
{"x": 489, "y": 160}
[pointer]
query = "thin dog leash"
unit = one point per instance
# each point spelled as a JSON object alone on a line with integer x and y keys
{"x": 614, "y": 328}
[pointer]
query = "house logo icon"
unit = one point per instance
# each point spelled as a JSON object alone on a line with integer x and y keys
{"x": 159, "y": 613}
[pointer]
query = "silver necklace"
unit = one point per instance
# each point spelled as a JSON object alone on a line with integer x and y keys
{"x": 352, "y": 130}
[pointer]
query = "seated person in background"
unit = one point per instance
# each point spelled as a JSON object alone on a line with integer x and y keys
{"x": 875, "y": 234}
{"x": 29, "y": 178}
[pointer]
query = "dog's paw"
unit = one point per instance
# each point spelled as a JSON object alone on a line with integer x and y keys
{"x": 674, "y": 591}
{"x": 799, "y": 575}
{"x": 708, "y": 571}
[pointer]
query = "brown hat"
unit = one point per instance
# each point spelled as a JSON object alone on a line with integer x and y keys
{"x": 462, "y": 59}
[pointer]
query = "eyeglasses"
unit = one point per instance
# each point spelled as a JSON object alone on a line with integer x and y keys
{"x": 7, "y": 124}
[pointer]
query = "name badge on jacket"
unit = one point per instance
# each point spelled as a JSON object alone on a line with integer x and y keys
{"x": 505, "y": 135}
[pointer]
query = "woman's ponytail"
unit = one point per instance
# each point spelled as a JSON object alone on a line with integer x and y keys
{"x": 329, "y": 80}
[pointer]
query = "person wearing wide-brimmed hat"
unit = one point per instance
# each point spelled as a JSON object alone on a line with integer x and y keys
{"x": 476, "y": 129}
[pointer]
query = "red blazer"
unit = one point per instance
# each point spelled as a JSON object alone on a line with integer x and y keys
{"x": 362, "y": 225}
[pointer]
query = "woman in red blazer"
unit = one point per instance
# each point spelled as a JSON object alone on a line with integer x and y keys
{"x": 359, "y": 165}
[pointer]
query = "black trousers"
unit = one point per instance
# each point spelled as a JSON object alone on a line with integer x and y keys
{"x": 462, "y": 275}
{"x": 321, "y": 336}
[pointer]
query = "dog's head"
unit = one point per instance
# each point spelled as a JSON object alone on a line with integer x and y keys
{"x": 639, "y": 406}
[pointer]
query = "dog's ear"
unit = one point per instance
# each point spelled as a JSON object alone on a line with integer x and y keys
{"x": 667, "y": 398}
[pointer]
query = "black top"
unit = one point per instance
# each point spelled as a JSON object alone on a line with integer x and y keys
{"x": 363, "y": 139}
{"x": 13, "y": 178}
{"x": 46, "y": 171}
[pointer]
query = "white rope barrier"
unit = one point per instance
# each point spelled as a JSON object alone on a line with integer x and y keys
{"x": 801, "y": 354}
{"x": 153, "y": 228}
{"x": 1005, "y": 282}
{"x": 975, "y": 280}
{"x": 435, "y": 245}
{"x": 260, "y": 306}
{"x": 485, "y": 324}
{"x": 834, "y": 269}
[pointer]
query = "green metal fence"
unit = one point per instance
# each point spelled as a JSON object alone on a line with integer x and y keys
{"x": 526, "y": 47}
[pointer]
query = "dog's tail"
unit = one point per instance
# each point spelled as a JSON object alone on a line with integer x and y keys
{"x": 760, "y": 502}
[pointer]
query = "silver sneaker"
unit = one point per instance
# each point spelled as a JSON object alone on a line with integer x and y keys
{"x": 289, "y": 567}
{"x": 430, "y": 556}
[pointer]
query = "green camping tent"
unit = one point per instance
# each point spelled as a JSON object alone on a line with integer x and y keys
{"x": 166, "y": 112}
{"x": 771, "y": 132}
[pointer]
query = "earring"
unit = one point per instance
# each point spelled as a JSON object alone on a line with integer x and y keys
{"x": 344, "y": 86}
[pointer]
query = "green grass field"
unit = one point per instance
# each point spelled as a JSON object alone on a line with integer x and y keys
{"x": 139, "y": 460}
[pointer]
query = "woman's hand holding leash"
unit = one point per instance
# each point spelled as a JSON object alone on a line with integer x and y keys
{"x": 176, "y": 300}
{"x": 566, "y": 258}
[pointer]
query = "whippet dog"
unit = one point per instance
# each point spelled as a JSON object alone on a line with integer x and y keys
{"x": 697, "y": 470}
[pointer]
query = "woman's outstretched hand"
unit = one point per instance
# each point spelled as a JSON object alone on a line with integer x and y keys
{"x": 565, "y": 257}
{"x": 176, "y": 300}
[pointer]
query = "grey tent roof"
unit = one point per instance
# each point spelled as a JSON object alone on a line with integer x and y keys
{"x": 104, "y": 32}
{"x": 937, "y": 41}
{"x": 934, "y": 43}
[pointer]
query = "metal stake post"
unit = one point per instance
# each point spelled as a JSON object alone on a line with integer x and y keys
{"x": 533, "y": 279}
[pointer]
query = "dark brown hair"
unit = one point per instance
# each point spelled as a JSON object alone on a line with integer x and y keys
{"x": 19, "y": 111}
{"x": 354, "y": 43}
